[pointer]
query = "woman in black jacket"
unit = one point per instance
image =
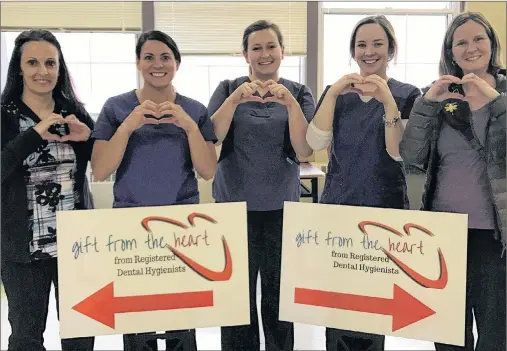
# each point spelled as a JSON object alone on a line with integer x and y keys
{"x": 46, "y": 147}
{"x": 456, "y": 131}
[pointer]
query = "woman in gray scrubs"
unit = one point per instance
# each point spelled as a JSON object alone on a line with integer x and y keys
{"x": 360, "y": 117}
{"x": 154, "y": 158}
{"x": 261, "y": 121}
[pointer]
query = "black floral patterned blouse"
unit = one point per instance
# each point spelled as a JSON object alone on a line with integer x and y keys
{"x": 49, "y": 174}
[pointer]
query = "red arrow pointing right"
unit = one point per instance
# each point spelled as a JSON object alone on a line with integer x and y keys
{"x": 403, "y": 307}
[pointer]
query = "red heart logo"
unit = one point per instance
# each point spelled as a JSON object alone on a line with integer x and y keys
{"x": 206, "y": 273}
{"x": 439, "y": 283}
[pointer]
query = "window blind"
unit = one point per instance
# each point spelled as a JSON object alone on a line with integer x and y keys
{"x": 214, "y": 28}
{"x": 63, "y": 15}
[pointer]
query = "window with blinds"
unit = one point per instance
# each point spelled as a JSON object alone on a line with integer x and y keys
{"x": 60, "y": 15}
{"x": 216, "y": 28}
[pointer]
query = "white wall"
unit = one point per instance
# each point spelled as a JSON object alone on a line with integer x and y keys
{"x": 4, "y": 60}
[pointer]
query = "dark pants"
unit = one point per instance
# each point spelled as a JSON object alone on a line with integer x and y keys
{"x": 181, "y": 340}
{"x": 27, "y": 286}
{"x": 485, "y": 294}
{"x": 264, "y": 256}
{"x": 344, "y": 340}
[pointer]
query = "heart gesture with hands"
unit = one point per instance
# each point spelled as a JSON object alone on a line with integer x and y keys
{"x": 43, "y": 126}
{"x": 439, "y": 91}
{"x": 346, "y": 84}
{"x": 372, "y": 85}
{"x": 165, "y": 113}
{"x": 154, "y": 113}
{"x": 378, "y": 89}
{"x": 279, "y": 92}
{"x": 178, "y": 116}
{"x": 244, "y": 93}
{"x": 478, "y": 88}
{"x": 78, "y": 130}
{"x": 137, "y": 117}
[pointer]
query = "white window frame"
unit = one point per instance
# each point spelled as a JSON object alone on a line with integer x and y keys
{"x": 455, "y": 8}
{"x": 90, "y": 30}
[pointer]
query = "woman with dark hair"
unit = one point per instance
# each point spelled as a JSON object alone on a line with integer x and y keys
{"x": 360, "y": 117}
{"x": 261, "y": 121}
{"x": 457, "y": 133}
{"x": 46, "y": 147}
{"x": 153, "y": 138}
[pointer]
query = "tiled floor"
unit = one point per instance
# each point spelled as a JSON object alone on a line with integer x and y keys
{"x": 307, "y": 337}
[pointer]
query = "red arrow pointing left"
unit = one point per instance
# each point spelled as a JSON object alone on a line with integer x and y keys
{"x": 102, "y": 306}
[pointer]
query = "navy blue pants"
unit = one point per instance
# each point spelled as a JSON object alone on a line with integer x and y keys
{"x": 344, "y": 340}
{"x": 485, "y": 294}
{"x": 264, "y": 256}
{"x": 27, "y": 286}
{"x": 174, "y": 341}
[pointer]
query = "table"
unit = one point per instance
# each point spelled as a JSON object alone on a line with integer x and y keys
{"x": 308, "y": 171}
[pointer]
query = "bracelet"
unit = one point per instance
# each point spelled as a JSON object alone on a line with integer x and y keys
{"x": 391, "y": 122}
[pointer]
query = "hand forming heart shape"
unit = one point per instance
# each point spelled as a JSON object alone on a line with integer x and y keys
{"x": 158, "y": 114}
{"x": 268, "y": 91}
{"x": 263, "y": 87}
{"x": 264, "y": 84}
{"x": 65, "y": 129}
{"x": 365, "y": 88}
{"x": 473, "y": 89}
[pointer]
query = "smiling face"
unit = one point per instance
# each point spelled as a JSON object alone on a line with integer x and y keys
{"x": 39, "y": 67}
{"x": 471, "y": 48}
{"x": 157, "y": 64}
{"x": 264, "y": 53}
{"x": 371, "y": 50}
